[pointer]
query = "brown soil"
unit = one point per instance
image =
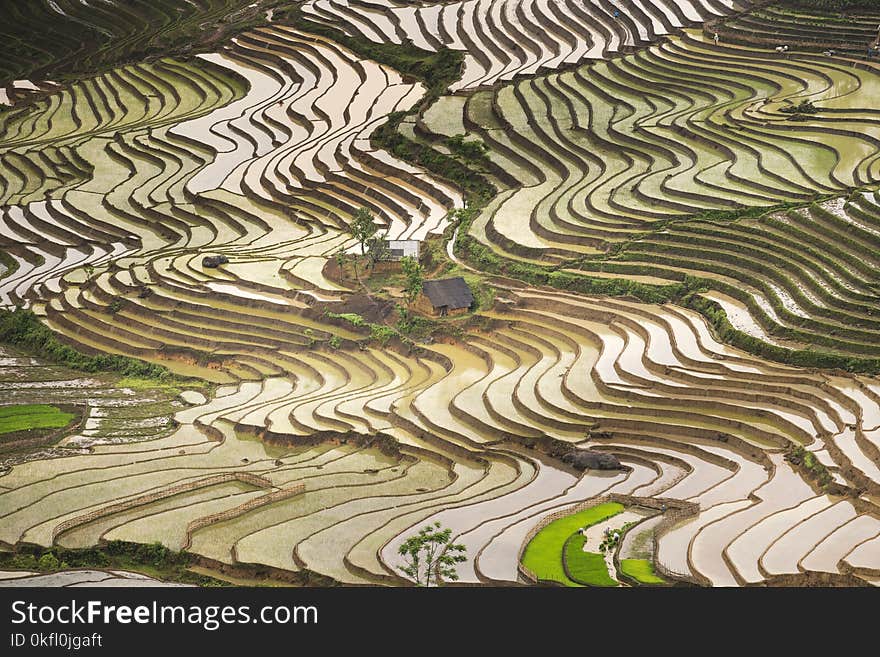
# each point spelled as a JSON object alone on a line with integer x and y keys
{"x": 814, "y": 579}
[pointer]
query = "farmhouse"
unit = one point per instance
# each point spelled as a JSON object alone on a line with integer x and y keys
{"x": 449, "y": 296}
{"x": 397, "y": 250}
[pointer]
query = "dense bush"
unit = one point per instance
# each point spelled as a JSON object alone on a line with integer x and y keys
{"x": 472, "y": 151}
{"x": 798, "y": 455}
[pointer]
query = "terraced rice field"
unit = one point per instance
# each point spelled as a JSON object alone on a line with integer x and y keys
{"x": 97, "y": 409}
{"x": 320, "y": 449}
{"x": 609, "y": 150}
{"x": 80, "y": 578}
{"x": 505, "y": 39}
{"x": 804, "y": 29}
{"x": 800, "y": 278}
{"x": 69, "y": 37}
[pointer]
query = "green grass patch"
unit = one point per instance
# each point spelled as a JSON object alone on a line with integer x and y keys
{"x": 352, "y": 318}
{"x": 641, "y": 570}
{"x": 543, "y": 555}
{"x": 587, "y": 568}
{"x": 23, "y": 417}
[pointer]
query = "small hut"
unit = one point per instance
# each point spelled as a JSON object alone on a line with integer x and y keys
{"x": 449, "y": 296}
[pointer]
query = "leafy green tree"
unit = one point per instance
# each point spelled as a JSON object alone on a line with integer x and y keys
{"x": 413, "y": 278}
{"x": 362, "y": 227}
{"x": 431, "y": 554}
{"x": 340, "y": 258}
{"x": 377, "y": 249}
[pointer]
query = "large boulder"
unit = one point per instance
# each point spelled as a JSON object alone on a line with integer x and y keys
{"x": 214, "y": 261}
{"x": 587, "y": 459}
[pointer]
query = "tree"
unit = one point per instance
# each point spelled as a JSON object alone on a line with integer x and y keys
{"x": 340, "y": 258}
{"x": 431, "y": 554}
{"x": 377, "y": 249}
{"x": 413, "y": 278}
{"x": 362, "y": 227}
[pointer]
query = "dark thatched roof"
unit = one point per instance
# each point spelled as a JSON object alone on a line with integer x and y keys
{"x": 452, "y": 293}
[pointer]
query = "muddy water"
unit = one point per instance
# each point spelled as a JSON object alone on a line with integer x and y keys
{"x": 747, "y": 549}
{"x": 748, "y": 478}
{"x": 311, "y": 270}
{"x": 786, "y": 489}
{"x": 834, "y": 547}
{"x": 783, "y": 556}
{"x": 669, "y": 475}
{"x": 674, "y": 544}
{"x": 434, "y": 401}
{"x": 846, "y": 441}
{"x": 703, "y": 476}
{"x": 865, "y": 555}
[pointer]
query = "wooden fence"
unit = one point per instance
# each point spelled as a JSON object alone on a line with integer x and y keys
{"x": 149, "y": 498}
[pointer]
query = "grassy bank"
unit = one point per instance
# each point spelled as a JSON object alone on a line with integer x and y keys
{"x": 23, "y": 329}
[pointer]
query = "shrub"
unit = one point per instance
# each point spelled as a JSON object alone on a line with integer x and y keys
{"x": 48, "y": 562}
{"x": 352, "y": 318}
{"x": 804, "y": 107}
